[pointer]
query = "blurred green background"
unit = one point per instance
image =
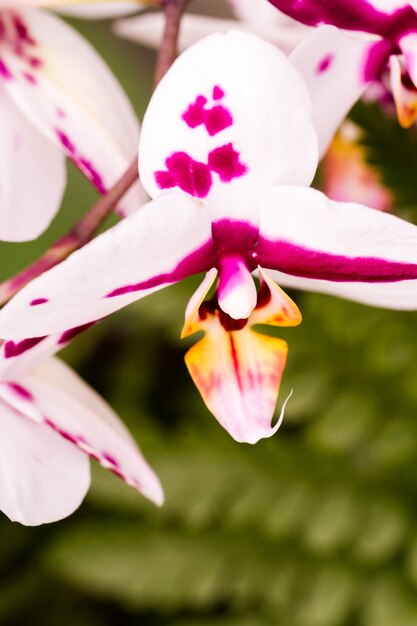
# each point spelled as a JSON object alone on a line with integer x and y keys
{"x": 315, "y": 527}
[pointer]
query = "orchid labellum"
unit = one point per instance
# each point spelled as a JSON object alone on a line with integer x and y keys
{"x": 389, "y": 26}
{"x": 50, "y": 423}
{"x": 51, "y": 109}
{"x": 228, "y": 151}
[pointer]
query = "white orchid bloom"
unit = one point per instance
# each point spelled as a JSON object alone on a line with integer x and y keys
{"x": 228, "y": 151}
{"x": 51, "y": 422}
{"x": 57, "y": 99}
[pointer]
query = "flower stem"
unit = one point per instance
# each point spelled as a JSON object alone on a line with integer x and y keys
{"x": 85, "y": 229}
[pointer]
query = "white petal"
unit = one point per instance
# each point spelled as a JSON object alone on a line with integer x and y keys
{"x": 72, "y": 409}
{"x": 230, "y": 119}
{"x": 97, "y": 10}
{"x": 43, "y": 478}
{"x": 333, "y": 64}
{"x": 305, "y": 234}
{"x": 166, "y": 241}
{"x": 32, "y": 176}
{"x": 148, "y": 30}
{"x": 67, "y": 91}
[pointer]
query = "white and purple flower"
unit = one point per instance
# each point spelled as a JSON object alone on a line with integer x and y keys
{"x": 228, "y": 151}
{"x": 51, "y": 422}
{"x": 57, "y": 99}
{"x": 390, "y": 29}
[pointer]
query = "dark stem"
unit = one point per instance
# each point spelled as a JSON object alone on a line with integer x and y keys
{"x": 85, "y": 229}
{"x": 168, "y": 51}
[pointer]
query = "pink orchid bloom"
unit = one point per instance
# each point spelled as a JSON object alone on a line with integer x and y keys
{"x": 389, "y": 27}
{"x": 58, "y": 99}
{"x": 228, "y": 151}
{"x": 254, "y": 17}
{"x": 51, "y": 422}
{"x": 348, "y": 177}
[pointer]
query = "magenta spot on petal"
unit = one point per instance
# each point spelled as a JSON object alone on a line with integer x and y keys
{"x": 12, "y": 349}
{"x": 218, "y": 93}
{"x": 191, "y": 176}
{"x": 20, "y": 391}
{"x": 22, "y": 31}
{"x": 4, "y": 71}
{"x": 71, "y": 333}
{"x": 35, "y": 62}
{"x": 325, "y": 63}
{"x": 38, "y": 301}
{"x": 92, "y": 174}
{"x": 110, "y": 459}
{"x": 29, "y": 77}
{"x": 225, "y": 161}
{"x": 61, "y": 113}
{"x": 195, "y": 115}
{"x": 65, "y": 141}
{"x": 215, "y": 119}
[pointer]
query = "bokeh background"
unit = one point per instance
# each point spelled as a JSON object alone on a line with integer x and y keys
{"x": 315, "y": 527}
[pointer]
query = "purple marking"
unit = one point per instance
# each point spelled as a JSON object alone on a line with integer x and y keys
{"x": 357, "y": 15}
{"x": 264, "y": 296}
{"x": 110, "y": 459}
{"x": 30, "y": 78}
{"x": 4, "y": 71}
{"x": 195, "y": 177}
{"x": 22, "y": 30}
{"x": 183, "y": 172}
{"x": 12, "y": 349}
{"x": 20, "y": 391}
{"x": 65, "y": 141}
{"x": 235, "y": 237}
{"x": 218, "y": 119}
{"x": 35, "y": 62}
{"x": 71, "y": 333}
{"x": 225, "y": 161}
{"x": 299, "y": 261}
{"x": 215, "y": 119}
{"x": 218, "y": 93}
{"x": 325, "y": 63}
{"x": 38, "y": 301}
{"x": 377, "y": 59}
{"x": 92, "y": 174}
{"x": 200, "y": 260}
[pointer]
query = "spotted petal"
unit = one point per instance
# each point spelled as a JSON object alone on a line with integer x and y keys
{"x": 43, "y": 478}
{"x": 372, "y": 16}
{"x": 238, "y": 374}
{"x": 354, "y": 251}
{"x": 163, "y": 243}
{"x": 32, "y": 176}
{"x": 208, "y": 132}
{"x": 57, "y": 397}
{"x": 333, "y": 64}
{"x": 47, "y": 69}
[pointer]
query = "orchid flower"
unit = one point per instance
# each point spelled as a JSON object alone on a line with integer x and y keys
{"x": 254, "y": 17}
{"x": 228, "y": 151}
{"x": 390, "y": 27}
{"x": 57, "y": 99}
{"x": 51, "y": 422}
{"x": 348, "y": 177}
